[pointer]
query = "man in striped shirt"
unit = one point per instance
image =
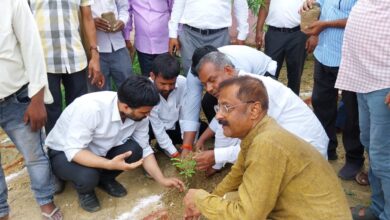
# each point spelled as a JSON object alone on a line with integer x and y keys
{"x": 328, "y": 32}
{"x": 59, "y": 27}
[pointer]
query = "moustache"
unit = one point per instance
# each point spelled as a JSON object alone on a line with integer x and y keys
{"x": 223, "y": 122}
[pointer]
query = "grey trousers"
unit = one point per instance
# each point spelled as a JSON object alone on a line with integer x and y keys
{"x": 191, "y": 40}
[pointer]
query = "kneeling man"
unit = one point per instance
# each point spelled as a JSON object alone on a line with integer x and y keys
{"x": 277, "y": 174}
{"x": 102, "y": 134}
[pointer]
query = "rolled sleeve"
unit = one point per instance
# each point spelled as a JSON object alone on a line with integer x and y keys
{"x": 240, "y": 10}
{"x": 191, "y": 107}
{"x": 226, "y": 154}
{"x": 160, "y": 133}
{"x": 141, "y": 136}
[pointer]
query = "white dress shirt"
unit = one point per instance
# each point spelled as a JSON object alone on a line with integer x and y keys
{"x": 165, "y": 115}
{"x": 290, "y": 112}
{"x": 284, "y": 14}
{"x": 93, "y": 122}
{"x": 243, "y": 58}
{"x": 111, "y": 40}
{"x": 21, "y": 54}
{"x": 221, "y": 141}
{"x": 209, "y": 14}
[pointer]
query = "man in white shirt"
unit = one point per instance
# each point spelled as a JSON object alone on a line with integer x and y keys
{"x": 164, "y": 117}
{"x": 283, "y": 40}
{"x": 102, "y": 134}
{"x": 243, "y": 57}
{"x": 115, "y": 61}
{"x": 23, "y": 91}
{"x": 284, "y": 106}
{"x": 205, "y": 22}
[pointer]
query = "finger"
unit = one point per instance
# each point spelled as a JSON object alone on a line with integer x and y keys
{"x": 181, "y": 186}
{"x": 25, "y": 118}
{"x": 135, "y": 164}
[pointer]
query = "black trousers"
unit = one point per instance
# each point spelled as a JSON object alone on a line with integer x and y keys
{"x": 85, "y": 179}
{"x": 145, "y": 62}
{"x": 174, "y": 135}
{"x": 75, "y": 85}
{"x": 208, "y": 103}
{"x": 324, "y": 101}
{"x": 290, "y": 46}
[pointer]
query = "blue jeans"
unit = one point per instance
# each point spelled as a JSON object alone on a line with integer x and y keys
{"x": 30, "y": 145}
{"x": 374, "y": 117}
{"x": 116, "y": 65}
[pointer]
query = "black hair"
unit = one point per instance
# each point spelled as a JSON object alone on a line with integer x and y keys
{"x": 138, "y": 91}
{"x": 198, "y": 55}
{"x": 166, "y": 66}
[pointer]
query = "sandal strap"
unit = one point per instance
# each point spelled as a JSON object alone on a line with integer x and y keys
{"x": 50, "y": 216}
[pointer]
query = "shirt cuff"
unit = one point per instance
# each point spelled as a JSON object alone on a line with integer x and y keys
{"x": 186, "y": 125}
{"x": 35, "y": 88}
{"x": 242, "y": 35}
{"x": 200, "y": 196}
{"x": 221, "y": 155}
{"x": 173, "y": 34}
{"x": 70, "y": 153}
{"x": 147, "y": 151}
{"x": 171, "y": 150}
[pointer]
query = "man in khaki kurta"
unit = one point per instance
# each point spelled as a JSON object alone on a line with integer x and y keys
{"x": 277, "y": 174}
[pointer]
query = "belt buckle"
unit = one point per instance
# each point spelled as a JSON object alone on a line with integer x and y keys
{"x": 204, "y": 31}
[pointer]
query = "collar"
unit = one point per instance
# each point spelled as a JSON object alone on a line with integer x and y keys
{"x": 115, "y": 110}
{"x": 259, "y": 128}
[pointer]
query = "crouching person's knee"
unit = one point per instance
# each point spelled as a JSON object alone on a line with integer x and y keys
{"x": 136, "y": 150}
{"x": 87, "y": 180}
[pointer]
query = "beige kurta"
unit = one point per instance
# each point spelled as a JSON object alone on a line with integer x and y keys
{"x": 278, "y": 176}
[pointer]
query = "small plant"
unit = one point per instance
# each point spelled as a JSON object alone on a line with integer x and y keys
{"x": 186, "y": 167}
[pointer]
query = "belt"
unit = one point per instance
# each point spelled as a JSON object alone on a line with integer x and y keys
{"x": 13, "y": 94}
{"x": 205, "y": 31}
{"x": 287, "y": 30}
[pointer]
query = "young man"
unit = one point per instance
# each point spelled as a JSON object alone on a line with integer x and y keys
{"x": 102, "y": 134}
{"x": 23, "y": 91}
{"x": 277, "y": 175}
{"x": 115, "y": 59}
{"x": 285, "y": 107}
{"x": 164, "y": 117}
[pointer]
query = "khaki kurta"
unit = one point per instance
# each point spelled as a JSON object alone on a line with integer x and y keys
{"x": 278, "y": 176}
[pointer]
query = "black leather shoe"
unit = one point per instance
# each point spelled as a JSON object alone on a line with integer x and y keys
{"x": 89, "y": 202}
{"x": 113, "y": 188}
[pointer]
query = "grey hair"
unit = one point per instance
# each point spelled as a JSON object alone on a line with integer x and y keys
{"x": 217, "y": 58}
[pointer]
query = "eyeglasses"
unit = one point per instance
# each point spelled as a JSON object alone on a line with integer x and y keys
{"x": 226, "y": 109}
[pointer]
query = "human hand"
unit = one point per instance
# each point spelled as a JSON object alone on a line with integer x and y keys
{"x": 204, "y": 159}
{"x": 173, "y": 182}
{"x": 240, "y": 42}
{"x": 36, "y": 112}
{"x": 118, "y": 26}
{"x": 190, "y": 210}
{"x": 259, "y": 40}
{"x": 185, "y": 153}
{"x": 174, "y": 45}
{"x": 307, "y": 5}
{"x": 199, "y": 146}
{"x": 102, "y": 24}
{"x": 387, "y": 100}
{"x": 315, "y": 28}
{"x": 94, "y": 73}
{"x": 131, "y": 49}
{"x": 119, "y": 162}
{"x": 311, "y": 43}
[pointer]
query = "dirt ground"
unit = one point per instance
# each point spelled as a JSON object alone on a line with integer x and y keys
{"x": 144, "y": 195}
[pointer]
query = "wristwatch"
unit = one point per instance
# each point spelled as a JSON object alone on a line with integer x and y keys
{"x": 94, "y": 48}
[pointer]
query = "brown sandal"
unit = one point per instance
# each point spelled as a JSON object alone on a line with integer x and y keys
{"x": 362, "y": 178}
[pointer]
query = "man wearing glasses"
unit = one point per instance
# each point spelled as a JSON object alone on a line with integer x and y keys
{"x": 284, "y": 106}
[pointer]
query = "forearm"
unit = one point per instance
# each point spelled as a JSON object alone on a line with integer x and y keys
{"x": 262, "y": 15}
{"x": 335, "y": 23}
{"x": 89, "y": 159}
{"x": 207, "y": 134}
{"x": 151, "y": 166}
{"x": 89, "y": 27}
{"x": 189, "y": 137}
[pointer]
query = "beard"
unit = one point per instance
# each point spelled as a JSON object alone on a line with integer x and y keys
{"x": 132, "y": 117}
